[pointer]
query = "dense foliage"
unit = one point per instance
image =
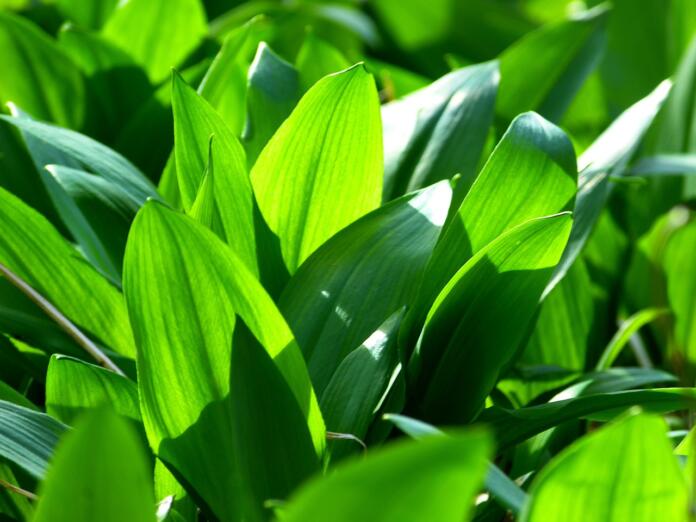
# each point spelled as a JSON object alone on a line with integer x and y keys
{"x": 391, "y": 260}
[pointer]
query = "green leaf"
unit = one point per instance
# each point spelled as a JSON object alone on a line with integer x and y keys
{"x": 535, "y": 163}
{"x": 681, "y": 284}
{"x": 27, "y": 437}
{"x": 358, "y": 385}
{"x": 614, "y": 379}
{"x": 215, "y": 440}
{"x": 610, "y": 475}
{"x": 195, "y": 121}
{"x": 44, "y": 81}
{"x": 116, "y": 84}
{"x": 362, "y": 275}
{"x": 91, "y": 15}
{"x": 9, "y": 394}
{"x": 323, "y": 167}
{"x": 439, "y": 130}
{"x": 412, "y": 480}
{"x": 158, "y": 34}
{"x": 501, "y": 487}
{"x": 272, "y": 93}
{"x": 607, "y": 156}
{"x": 36, "y": 252}
{"x": 73, "y": 386}
{"x": 627, "y": 329}
{"x": 545, "y": 69}
{"x": 561, "y": 336}
{"x": 99, "y": 472}
{"x": 80, "y": 150}
{"x": 514, "y": 426}
{"x": 463, "y": 347}
{"x": 665, "y": 164}
{"x": 317, "y": 58}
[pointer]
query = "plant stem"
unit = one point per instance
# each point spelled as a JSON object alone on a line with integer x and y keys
{"x": 62, "y": 321}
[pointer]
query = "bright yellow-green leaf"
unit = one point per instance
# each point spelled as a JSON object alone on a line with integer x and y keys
{"x": 323, "y": 167}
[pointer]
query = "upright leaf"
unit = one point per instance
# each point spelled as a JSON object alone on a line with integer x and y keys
{"x": 412, "y": 480}
{"x": 317, "y": 58}
{"x": 323, "y": 167}
{"x": 608, "y": 155}
{"x": 35, "y": 251}
{"x": 43, "y": 80}
{"x": 545, "y": 69}
{"x": 158, "y": 34}
{"x": 90, "y": 15}
{"x": 195, "y": 122}
{"x": 179, "y": 280}
{"x": 463, "y": 347}
{"x": 535, "y": 163}
{"x": 362, "y": 275}
{"x": 272, "y": 93}
{"x": 610, "y": 475}
{"x": 74, "y": 386}
{"x": 100, "y": 472}
{"x": 439, "y": 130}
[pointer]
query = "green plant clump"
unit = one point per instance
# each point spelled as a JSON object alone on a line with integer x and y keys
{"x": 341, "y": 261}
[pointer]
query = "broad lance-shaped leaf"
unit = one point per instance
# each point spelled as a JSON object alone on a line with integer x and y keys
{"x": 362, "y": 275}
{"x": 535, "y": 162}
{"x": 100, "y": 472}
{"x": 272, "y": 93}
{"x": 195, "y": 121}
{"x": 439, "y": 131}
{"x": 323, "y": 167}
{"x": 27, "y": 437}
{"x": 463, "y": 348}
{"x": 612, "y": 474}
{"x": 44, "y": 80}
{"x": 356, "y": 389}
{"x": 514, "y": 426}
{"x": 408, "y": 480}
{"x": 180, "y": 279}
{"x": 36, "y": 252}
{"x": 73, "y": 386}
{"x": 681, "y": 288}
{"x": 158, "y": 34}
{"x": 545, "y": 69}
{"x": 608, "y": 155}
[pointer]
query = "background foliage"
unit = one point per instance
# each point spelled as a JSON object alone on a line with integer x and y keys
{"x": 381, "y": 260}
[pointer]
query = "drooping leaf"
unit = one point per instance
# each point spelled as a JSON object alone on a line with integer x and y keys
{"x": 614, "y": 379}
{"x": 535, "y": 163}
{"x": 216, "y": 439}
{"x": 74, "y": 386}
{"x": 272, "y": 93}
{"x": 35, "y": 251}
{"x": 610, "y": 475}
{"x": 195, "y": 122}
{"x": 439, "y": 131}
{"x": 99, "y": 472}
{"x": 158, "y": 34}
{"x": 411, "y": 480}
{"x": 39, "y": 76}
{"x": 323, "y": 167}
{"x": 544, "y": 70}
{"x": 514, "y": 426}
{"x": 27, "y": 437}
{"x": 362, "y": 275}
{"x": 463, "y": 349}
